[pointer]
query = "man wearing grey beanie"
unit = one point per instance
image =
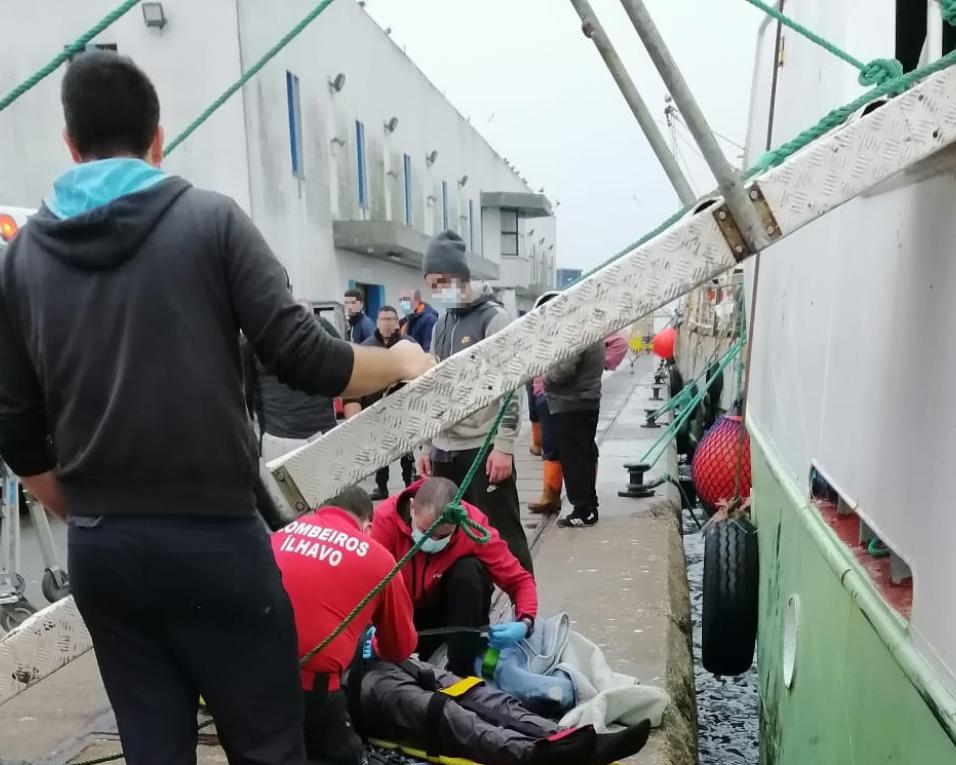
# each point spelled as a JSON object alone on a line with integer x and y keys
{"x": 471, "y": 315}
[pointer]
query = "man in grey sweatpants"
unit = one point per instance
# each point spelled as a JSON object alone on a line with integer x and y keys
{"x": 471, "y": 315}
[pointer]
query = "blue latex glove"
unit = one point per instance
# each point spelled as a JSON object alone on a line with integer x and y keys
{"x": 507, "y": 634}
{"x": 367, "y": 652}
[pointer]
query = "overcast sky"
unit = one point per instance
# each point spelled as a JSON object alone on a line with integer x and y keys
{"x": 537, "y": 89}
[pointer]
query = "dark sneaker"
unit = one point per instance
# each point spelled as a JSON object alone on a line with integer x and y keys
{"x": 379, "y": 494}
{"x": 579, "y": 518}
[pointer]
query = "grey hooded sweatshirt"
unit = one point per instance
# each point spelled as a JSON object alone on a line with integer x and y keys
{"x": 458, "y": 330}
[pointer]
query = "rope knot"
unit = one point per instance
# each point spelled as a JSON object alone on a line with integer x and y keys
{"x": 456, "y": 513}
{"x": 881, "y": 70}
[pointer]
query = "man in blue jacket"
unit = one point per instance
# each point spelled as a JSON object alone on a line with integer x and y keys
{"x": 361, "y": 327}
{"x": 418, "y": 318}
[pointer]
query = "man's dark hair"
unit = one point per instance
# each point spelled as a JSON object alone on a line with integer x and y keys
{"x": 435, "y": 493}
{"x": 354, "y": 500}
{"x": 387, "y": 309}
{"x": 356, "y": 293}
{"x": 110, "y": 106}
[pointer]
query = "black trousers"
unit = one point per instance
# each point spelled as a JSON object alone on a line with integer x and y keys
{"x": 407, "y": 462}
{"x": 578, "y": 453}
{"x": 549, "y": 437}
{"x": 464, "y": 600}
{"x": 330, "y": 738}
{"x": 500, "y": 504}
{"x": 183, "y": 606}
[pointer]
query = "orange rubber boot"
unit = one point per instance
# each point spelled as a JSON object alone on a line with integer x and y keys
{"x": 535, "y": 447}
{"x": 550, "y": 502}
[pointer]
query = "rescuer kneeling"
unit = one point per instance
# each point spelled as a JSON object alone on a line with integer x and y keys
{"x": 328, "y": 564}
{"x": 452, "y": 577}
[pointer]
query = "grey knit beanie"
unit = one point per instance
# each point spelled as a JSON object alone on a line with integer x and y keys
{"x": 445, "y": 254}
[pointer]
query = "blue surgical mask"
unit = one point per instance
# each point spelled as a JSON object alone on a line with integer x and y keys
{"x": 405, "y": 306}
{"x": 430, "y": 545}
{"x": 449, "y": 297}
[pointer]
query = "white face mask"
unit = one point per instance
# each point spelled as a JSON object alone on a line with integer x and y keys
{"x": 449, "y": 297}
{"x": 405, "y": 306}
{"x": 430, "y": 545}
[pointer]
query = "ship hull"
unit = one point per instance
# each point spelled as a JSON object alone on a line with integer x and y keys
{"x": 851, "y": 701}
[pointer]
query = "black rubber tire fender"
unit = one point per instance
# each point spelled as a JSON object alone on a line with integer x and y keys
{"x": 729, "y": 613}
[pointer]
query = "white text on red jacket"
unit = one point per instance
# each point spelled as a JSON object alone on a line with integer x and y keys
{"x": 319, "y": 542}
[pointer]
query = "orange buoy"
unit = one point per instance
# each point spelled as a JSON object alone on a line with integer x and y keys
{"x": 714, "y": 469}
{"x": 664, "y": 342}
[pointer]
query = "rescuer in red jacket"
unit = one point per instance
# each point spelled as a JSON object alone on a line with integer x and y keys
{"x": 328, "y": 564}
{"x": 450, "y": 579}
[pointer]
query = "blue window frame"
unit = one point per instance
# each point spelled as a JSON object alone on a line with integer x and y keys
{"x": 362, "y": 171}
{"x": 408, "y": 190}
{"x": 444, "y": 205}
{"x": 295, "y": 123}
{"x": 471, "y": 225}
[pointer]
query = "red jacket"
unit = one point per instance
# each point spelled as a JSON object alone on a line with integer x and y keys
{"x": 423, "y": 573}
{"x": 328, "y": 565}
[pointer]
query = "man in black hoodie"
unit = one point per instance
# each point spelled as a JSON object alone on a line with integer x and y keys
{"x": 121, "y": 407}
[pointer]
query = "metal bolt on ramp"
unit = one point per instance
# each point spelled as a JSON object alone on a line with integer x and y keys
{"x": 829, "y": 172}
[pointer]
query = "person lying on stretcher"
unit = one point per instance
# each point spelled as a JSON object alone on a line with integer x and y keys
{"x": 428, "y": 712}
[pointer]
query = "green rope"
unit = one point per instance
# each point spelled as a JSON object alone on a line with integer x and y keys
{"x": 246, "y": 76}
{"x": 454, "y": 512}
{"x": 948, "y": 7}
{"x": 78, "y": 45}
{"x": 876, "y": 72}
{"x": 877, "y": 549}
{"x": 670, "y": 433}
{"x": 839, "y": 115}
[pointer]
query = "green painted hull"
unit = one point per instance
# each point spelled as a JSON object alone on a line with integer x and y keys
{"x": 860, "y": 695}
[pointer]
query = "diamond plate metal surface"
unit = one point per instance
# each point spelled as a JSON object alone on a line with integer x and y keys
{"x": 863, "y": 153}
{"x": 48, "y": 640}
{"x": 650, "y": 276}
{"x": 824, "y": 175}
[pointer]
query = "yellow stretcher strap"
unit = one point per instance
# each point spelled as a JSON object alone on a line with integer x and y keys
{"x": 462, "y": 686}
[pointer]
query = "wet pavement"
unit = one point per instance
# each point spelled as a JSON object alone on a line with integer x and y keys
{"x": 728, "y": 708}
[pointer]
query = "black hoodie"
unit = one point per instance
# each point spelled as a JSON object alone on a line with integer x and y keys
{"x": 119, "y": 351}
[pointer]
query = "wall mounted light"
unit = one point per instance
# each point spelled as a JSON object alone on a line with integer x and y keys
{"x": 392, "y": 174}
{"x": 336, "y": 141}
{"x": 431, "y": 157}
{"x": 550, "y": 247}
{"x": 541, "y": 240}
{"x": 391, "y": 125}
{"x": 154, "y": 15}
{"x": 337, "y": 83}
{"x": 531, "y": 232}
{"x": 431, "y": 199}
{"x": 462, "y": 181}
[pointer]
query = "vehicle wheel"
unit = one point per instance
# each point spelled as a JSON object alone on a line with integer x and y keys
{"x": 729, "y": 619}
{"x": 14, "y": 615}
{"x": 55, "y": 587}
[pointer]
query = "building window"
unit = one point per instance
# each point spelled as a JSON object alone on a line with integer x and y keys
{"x": 295, "y": 123}
{"x": 471, "y": 225}
{"x": 408, "y": 190}
{"x": 444, "y": 205}
{"x": 509, "y": 232}
{"x": 362, "y": 169}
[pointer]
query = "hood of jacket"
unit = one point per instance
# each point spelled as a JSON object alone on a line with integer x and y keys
{"x": 100, "y": 212}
